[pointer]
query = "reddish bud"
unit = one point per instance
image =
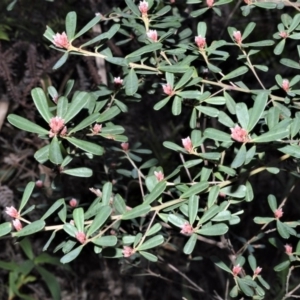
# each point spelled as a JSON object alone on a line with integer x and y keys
{"x": 61, "y": 40}
{"x": 200, "y": 41}
{"x": 12, "y": 212}
{"x": 187, "y": 144}
{"x": 118, "y": 81}
{"x": 257, "y": 271}
{"x": 159, "y": 175}
{"x": 236, "y": 270}
{"x": 152, "y": 35}
{"x": 125, "y": 146}
{"x": 56, "y": 125}
{"x": 127, "y": 251}
{"x": 288, "y": 249}
{"x": 17, "y": 224}
{"x": 81, "y": 237}
{"x": 283, "y": 34}
{"x": 97, "y": 128}
{"x": 210, "y": 3}
{"x": 73, "y": 202}
{"x": 278, "y": 213}
{"x": 39, "y": 183}
{"x": 238, "y": 37}
{"x": 285, "y": 85}
{"x": 168, "y": 89}
{"x": 186, "y": 228}
{"x": 239, "y": 134}
{"x": 143, "y": 7}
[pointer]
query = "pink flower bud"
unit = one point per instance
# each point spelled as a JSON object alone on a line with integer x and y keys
{"x": 12, "y": 212}
{"x": 127, "y": 251}
{"x": 239, "y": 134}
{"x": 17, "y": 224}
{"x": 97, "y": 128}
{"x": 63, "y": 131}
{"x": 143, "y": 7}
{"x": 283, "y": 34}
{"x": 61, "y": 40}
{"x": 248, "y": 2}
{"x": 187, "y": 228}
{"x": 236, "y": 270}
{"x": 152, "y": 35}
{"x": 210, "y": 3}
{"x": 187, "y": 144}
{"x": 278, "y": 213}
{"x": 125, "y": 146}
{"x": 73, "y": 202}
{"x": 238, "y": 37}
{"x": 288, "y": 249}
{"x": 118, "y": 81}
{"x": 285, "y": 85}
{"x": 39, "y": 183}
{"x": 168, "y": 89}
{"x": 81, "y": 237}
{"x": 56, "y": 125}
{"x": 200, "y": 41}
{"x": 159, "y": 175}
{"x": 257, "y": 271}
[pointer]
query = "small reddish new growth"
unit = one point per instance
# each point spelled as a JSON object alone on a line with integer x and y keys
{"x": 200, "y": 41}
{"x": 152, "y": 35}
{"x": 283, "y": 34}
{"x": 278, "y": 213}
{"x": 257, "y": 271}
{"x": 57, "y": 125}
{"x": 248, "y": 1}
{"x": 210, "y": 3}
{"x": 81, "y": 237}
{"x": 17, "y": 224}
{"x": 285, "y": 85}
{"x": 39, "y": 183}
{"x": 168, "y": 89}
{"x": 239, "y": 134}
{"x": 125, "y": 146}
{"x": 187, "y": 228}
{"x": 127, "y": 251}
{"x": 159, "y": 175}
{"x": 237, "y": 37}
{"x": 12, "y": 212}
{"x": 73, "y": 202}
{"x": 187, "y": 144}
{"x": 288, "y": 249}
{"x": 143, "y": 7}
{"x": 61, "y": 40}
{"x": 236, "y": 270}
{"x": 118, "y": 81}
{"x": 97, "y": 128}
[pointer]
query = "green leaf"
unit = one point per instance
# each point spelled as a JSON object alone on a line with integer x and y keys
{"x": 244, "y": 287}
{"x": 263, "y": 220}
{"x": 249, "y": 28}
{"x": 156, "y": 192}
{"x": 295, "y": 23}
{"x": 151, "y": 243}
{"x": 220, "y": 264}
{"x": 209, "y": 111}
{"x": 214, "y": 230}
{"x": 242, "y": 114}
{"x": 136, "y": 212}
{"x": 172, "y": 146}
{"x": 85, "y": 123}
{"x": 282, "y": 229}
{"x": 201, "y": 29}
{"x": 86, "y": 146}
{"x": 272, "y": 135}
{"x": 133, "y": 7}
{"x": 185, "y": 78}
{"x": 252, "y": 262}
{"x": 78, "y": 216}
{"x": 263, "y": 282}
{"x": 53, "y": 208}
{"x": 51, "y": 282}
{"x": 282, "y": 266}
{"x": 70, "y": 229}
{"x": 40, "y": 101}
{"x": 174, "y": 69}
{"x": 131, "y": 83}
{"x": 149, "y": 256}
{"x": 49, "y": 241}
{"x": 31, "y": 228}
{"x": 290, "y": 63}
{"x": 119, "y": 204}
{"x": 105, "y": 241}
{"x": 234, "y": 191}
{"x": 99, "y": 220}
{"x": 145, "y": 49}
{"x": 193, "y": 205}
{"x": 79, "y": 172}
{"x": 237, "y": 72}
{"x": 272, "y": 202}
{"x": 209, "y": 214}
{"x": 108, "y": 114}
{"x": 26, "y": 125}
{"x": 61, "y": 61}
{"x": 176, "y": 220}
{"x": 55, "y": 155}
{"x": 78, "y": 102}
{"x": 26, "y": 195}
{"x": 267, "y": 5}
{"x": 293, "y": 150}
{"x": 257, "y": 110}
{"x": 71, "y": 20}
{"x": 190, "y": 244}
{"x": 62, "y": 106}
{"x": 190, "y": 94}
{"x": 213, "y": 195}
{"x": 240, "y": 157}
{"x": 88, "y": 26}
{"x": 195, "y": 189}
{"x": 106, "y": 193}
{"x": 71, "y": 255}
{"x": 155, "y": 228}
{"x": 176, "y": 106}
{"x": 217, "y": 135}
{"x": 5, "y": 228}
{"x": 42, "y": 155}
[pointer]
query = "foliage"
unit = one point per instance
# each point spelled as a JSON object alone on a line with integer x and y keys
{"x": 239, "y": 126}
